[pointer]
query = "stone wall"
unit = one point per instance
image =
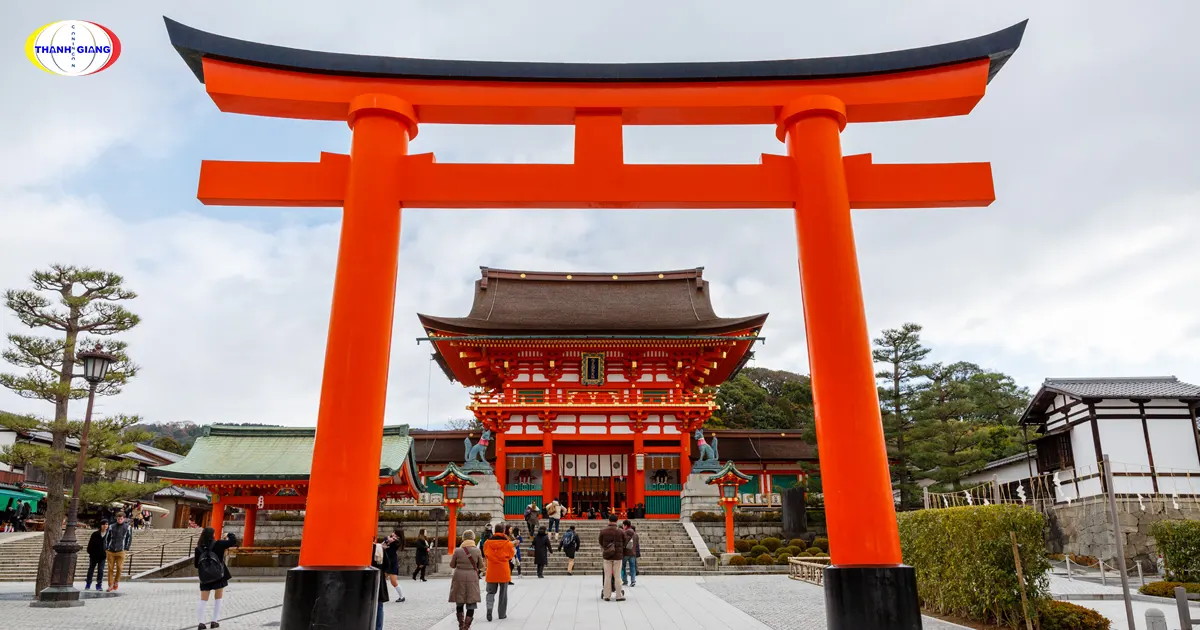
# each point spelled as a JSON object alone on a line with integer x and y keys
{"x": 714, "y": 533}
{"x": 1085, "y": 527}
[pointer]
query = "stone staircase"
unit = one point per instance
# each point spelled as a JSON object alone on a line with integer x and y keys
{"x": 666, "y": 549}
{"x": 150, "y": 549}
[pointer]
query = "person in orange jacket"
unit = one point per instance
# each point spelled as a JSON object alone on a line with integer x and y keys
{"x": 499, "y": 552}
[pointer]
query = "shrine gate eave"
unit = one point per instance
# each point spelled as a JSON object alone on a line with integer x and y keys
{"x": 261, "y": 79}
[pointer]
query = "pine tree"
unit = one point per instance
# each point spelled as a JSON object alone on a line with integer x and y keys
{"x": 901, "y": 351}
{"x": 88, "y": 303}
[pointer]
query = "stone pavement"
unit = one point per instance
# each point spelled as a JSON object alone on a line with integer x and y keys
{"x": 747, "y": 602}
{"x": 782, "y": 603}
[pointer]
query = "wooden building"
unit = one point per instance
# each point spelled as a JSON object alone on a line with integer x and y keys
{"x": 255, "y": 468}
{"x": 1147, "y": 427}
{"x": 593, "y": 386}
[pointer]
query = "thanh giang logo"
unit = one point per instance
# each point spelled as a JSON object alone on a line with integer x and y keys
{"x": 73, "y": 48}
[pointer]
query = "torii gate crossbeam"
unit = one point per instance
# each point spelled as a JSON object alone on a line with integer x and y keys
{"x": 385, "y": 100}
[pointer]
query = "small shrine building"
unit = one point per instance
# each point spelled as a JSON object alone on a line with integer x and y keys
{"x": 267, "y": 468}
{"x": 593, "y": 388}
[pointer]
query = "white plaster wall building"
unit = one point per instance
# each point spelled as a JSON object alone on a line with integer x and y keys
{"x": 1146, "y": 426}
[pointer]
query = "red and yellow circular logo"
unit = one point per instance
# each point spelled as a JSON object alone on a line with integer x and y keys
{"x": 73, "y": 48}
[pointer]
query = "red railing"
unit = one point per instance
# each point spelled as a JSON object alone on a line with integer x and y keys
{"x": 589, "y": 397}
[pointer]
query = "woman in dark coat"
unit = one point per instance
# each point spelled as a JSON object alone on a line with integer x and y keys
{"x": 215, "y": 547}
{"x": 422, "y": 555}
{"x": 392, "y": 546}
{"x": 541, "y": 550}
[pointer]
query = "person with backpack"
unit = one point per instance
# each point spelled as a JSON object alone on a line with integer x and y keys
{"x": 393, "y": 546}
{"x": 422, "y": 556}
{"x": 629, "y": 562}
{"x": 541, "y": 550}
{"x": 378, "y": 555}
{"x": 96, "y": 555}
{"x": 464, "y": 583}
{"x": 499, "y": 553}
{"x": 517, "y": 541}
{"x": 569, "y": 544}
{"x": 612, "y": 544}
{"x": 120, "y": 538}
{"x": 214, "y": 574}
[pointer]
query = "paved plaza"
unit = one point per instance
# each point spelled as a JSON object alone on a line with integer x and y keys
{"x": 658, "y": 603}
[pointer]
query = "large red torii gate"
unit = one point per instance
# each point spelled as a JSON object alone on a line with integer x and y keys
{"x": 385, "y": 100}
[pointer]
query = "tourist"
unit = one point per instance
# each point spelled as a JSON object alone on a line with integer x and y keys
{"x": 554, "y": 513}
{"x": 591, "y": 513}
{"x": 96, "y": 556}
{"x": 10, "y": 515}
{"x": 379, "y": 561}
{"x": 531, "y": 518}
{"x": 22, "y": 516}
{"x": 120, "y": 537}
{"x": 631, "y": 555}
{"x": 422, "y": 555}
{"x": 541, "y": 550}
{"x": 517, "y": 541}
{"x": 209, "y": 561}
{"x": 137, "y": 515}
{"x": 569, "y": 544}
{"x": 393, "y": 545}
{"x": 499, "y": 554}
{"x": 464, "y": 583}
{"x": 612, "y": 543}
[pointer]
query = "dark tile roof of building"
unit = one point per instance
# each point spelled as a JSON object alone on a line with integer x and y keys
{"x": 1142, "y": 387}
{"x": 666, "y": 302}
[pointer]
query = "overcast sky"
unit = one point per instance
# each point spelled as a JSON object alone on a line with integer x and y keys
{"x": 1083, "y": 267}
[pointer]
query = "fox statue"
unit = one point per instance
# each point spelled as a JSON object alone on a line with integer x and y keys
{"x": 478, "y": 451}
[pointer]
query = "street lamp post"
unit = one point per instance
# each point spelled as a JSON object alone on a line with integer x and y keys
{"x": 62, "y": 592}
{"x": 453, "y": 480}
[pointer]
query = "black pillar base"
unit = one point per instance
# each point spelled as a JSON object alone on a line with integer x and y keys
{"x": 872, "y": 598}
{"x": 330, "y": 597}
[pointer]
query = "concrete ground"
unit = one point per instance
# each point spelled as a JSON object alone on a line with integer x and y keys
{"x": 1107, "y": 600}
{"x": 657, "y": 603}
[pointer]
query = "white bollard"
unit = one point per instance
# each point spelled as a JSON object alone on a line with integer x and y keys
{"x": 1141, "y": 576}
{"x": 1103, "y": 580}
{"x": 1068, "y": 567}
{"x": 1155, "y": 620}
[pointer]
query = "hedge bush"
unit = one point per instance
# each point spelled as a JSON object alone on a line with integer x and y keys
{"x": 1087, "y": 561}
{"x": 821, "y": 542}
{"x": 781, "y": 560}
{"x": 1179, "y": 544}
{"x": 708, "y": 517}
{"x": 794, "y": 550}
{"x": 758, "y": 550}
{"x": 814, "y": 550}
{"x": 742, "y": 546}
{"x": 772, "y": 544}
{"x": 804, "y": 554}
{"x": 1057, "y": 615}
{"x": 765, "y": 559}
{"x": 737, "y": 561}
{"x": 963, "y": 557}
{"x": 1167, "y": 589}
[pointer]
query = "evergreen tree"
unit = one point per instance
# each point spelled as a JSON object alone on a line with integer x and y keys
{"x": 88, "y": 303}
{"x": 169, "y": 444}
{"x": 901, "y": 351}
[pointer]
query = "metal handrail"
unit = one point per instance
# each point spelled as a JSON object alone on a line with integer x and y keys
{"x": 162, "y": 552}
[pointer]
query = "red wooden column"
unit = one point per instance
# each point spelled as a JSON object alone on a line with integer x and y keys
{"x": 248, "y": 532}
{"x": 685, "y": 455}
{"x": 549, "y": 477}
{"x": 501, "y": 458}
{"x": 864, "y": 540}
{"x": 218, "y": 516}
{"x": 637, "y": 494}
{"x": 340, "y": 519}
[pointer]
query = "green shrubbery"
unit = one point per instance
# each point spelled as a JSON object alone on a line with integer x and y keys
{"x": 765, "y": 559}
{"x": 1179, "y": 544}
{"x": 758, "y": 550}
{"x": 794, "y": 550}
{"x": 821, "y": 542}
{"x": 708, "y": 517}
{"x": 963, "y": 557}
{"x": 737, "y": 561}
{"x": 797, "y": 543}
{"x": 1167, "y": 589}
{"x": 1057, "y": 615}
{"x": 772, "y": 544}
{"x": 814, "y": 550}
{"x": 781, "y": 559}
{"x": 742, "y": 546}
